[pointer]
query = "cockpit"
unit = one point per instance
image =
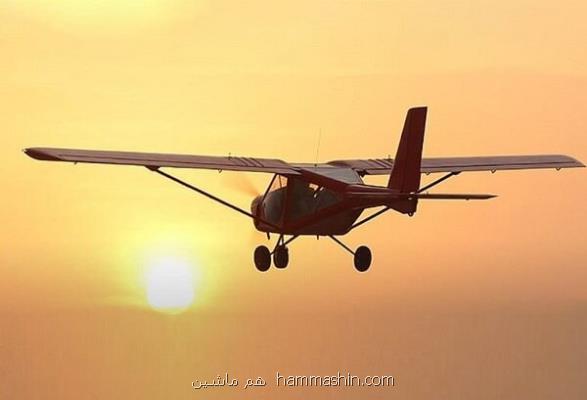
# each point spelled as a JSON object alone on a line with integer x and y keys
{"x": 291, "y": 198}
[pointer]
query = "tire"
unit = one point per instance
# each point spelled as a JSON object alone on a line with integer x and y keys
{"x": 262, "y": 258}
{"x": 281, "y": 257}
{"x": 362, "y": 258}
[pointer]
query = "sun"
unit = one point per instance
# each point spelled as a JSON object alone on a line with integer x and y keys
{"x": 170, "y": 284}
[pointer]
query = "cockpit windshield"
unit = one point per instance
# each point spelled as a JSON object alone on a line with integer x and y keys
{"x": 290, "y": 199}
{"x": 275, "y": 199}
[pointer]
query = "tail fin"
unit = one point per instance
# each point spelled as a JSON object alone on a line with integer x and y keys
{"x": 405, "y": 175}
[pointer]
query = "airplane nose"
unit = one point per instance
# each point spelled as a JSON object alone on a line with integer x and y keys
{"x": 255, "y": 205}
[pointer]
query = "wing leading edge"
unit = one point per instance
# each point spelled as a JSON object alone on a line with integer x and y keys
{"x": 379, "y": 166}
{"x": 383, "y": 166}
{"x": 230, "y": 163}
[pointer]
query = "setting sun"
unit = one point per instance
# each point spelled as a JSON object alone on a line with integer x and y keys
{"x": 170, "y": 284}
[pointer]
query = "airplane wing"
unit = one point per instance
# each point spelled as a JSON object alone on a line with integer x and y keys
{"x": 460, "y": 164}
{"x": 233, "y": 163}
{"x": 155, "y": 160}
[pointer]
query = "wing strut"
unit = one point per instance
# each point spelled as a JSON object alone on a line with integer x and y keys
{"x": 210, "y": 196}
{"x": 370, "y": 217}
{"x": 341, "y": 244}
{"x": 378, "y": 213}
{"x": 440, "y": 180}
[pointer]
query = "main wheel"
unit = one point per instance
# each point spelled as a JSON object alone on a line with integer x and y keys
{"x": 281, "y": 256}
{"x": 262, "y": 258}
{"x": 362, "y": 259}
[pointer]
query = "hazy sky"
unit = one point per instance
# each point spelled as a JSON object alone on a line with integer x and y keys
{"x": 262, "y": 79}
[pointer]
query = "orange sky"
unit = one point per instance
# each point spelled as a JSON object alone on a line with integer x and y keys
{"x": 262, "y": 79}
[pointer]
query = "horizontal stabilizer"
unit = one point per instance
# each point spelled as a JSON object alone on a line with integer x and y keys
{"x": 452, "y": 196}
{"x": 383, "y": 196}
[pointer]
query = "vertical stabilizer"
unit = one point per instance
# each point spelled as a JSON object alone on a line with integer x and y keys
{"x": 405, "y": 175}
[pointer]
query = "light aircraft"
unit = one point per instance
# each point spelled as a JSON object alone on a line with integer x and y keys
{"x": 325, "y": 199}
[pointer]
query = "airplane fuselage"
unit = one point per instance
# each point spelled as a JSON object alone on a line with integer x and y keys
{"x": 295, "y": 206}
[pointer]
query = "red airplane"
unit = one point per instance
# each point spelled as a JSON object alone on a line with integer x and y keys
{"x": 325, "y": 199}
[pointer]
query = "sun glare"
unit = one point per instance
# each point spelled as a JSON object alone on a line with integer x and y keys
{"x": 170, "y": 284}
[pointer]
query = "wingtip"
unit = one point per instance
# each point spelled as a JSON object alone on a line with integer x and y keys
{"x": 572, "y": 161}
{"x": 39, "y": 154}
{"x": 29, "y": 151}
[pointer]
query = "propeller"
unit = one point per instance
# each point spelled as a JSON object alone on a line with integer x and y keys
{"x": 244, "y": 185}
{"x": 241, "y": 183}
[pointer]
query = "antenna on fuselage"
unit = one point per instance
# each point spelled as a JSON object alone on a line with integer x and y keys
{"x": 318, "y": 147}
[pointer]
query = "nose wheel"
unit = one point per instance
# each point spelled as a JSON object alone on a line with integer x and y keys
{"x": 262, "y": 255}
{"x": 281, "y": 257}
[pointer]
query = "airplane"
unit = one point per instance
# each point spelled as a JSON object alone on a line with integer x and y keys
{"x": 325, "y": 199}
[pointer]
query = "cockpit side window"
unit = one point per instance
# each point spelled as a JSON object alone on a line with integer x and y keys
{"x": 301, "y": 198}
{"x": 306, "y": 198}
{"x": 275, "y": 200}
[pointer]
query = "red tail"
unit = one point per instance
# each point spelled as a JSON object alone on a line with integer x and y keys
{"x": 405, "y": 175}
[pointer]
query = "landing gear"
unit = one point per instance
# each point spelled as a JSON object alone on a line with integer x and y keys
{"x": 281, "y": 256}
{"x": 262, "y": 258}
{"x": 362, "y": 258}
